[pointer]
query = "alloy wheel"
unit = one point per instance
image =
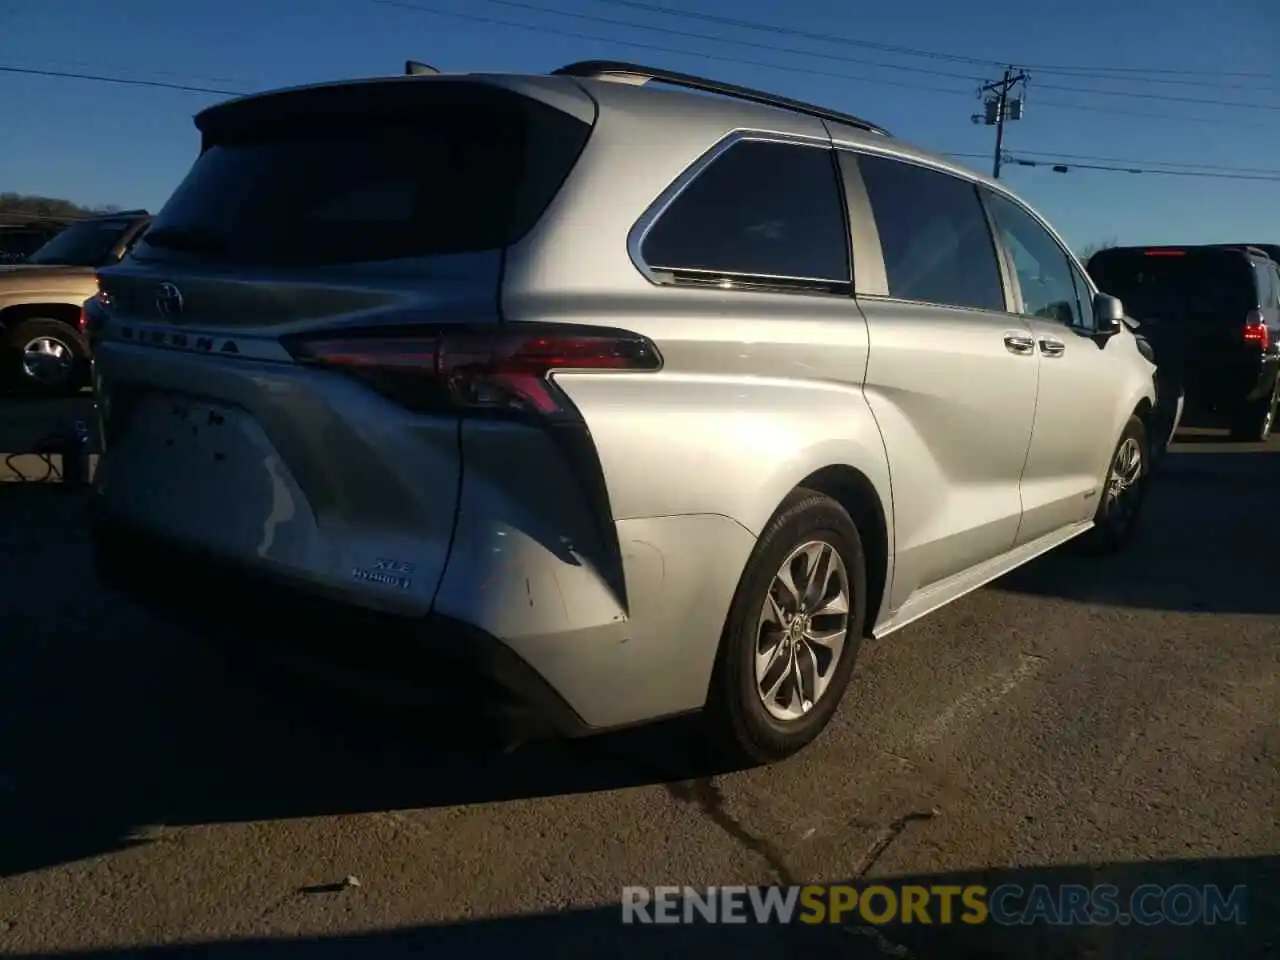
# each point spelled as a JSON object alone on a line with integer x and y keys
{"x": 802, "y": 629}
{"x": 48, "y": 361}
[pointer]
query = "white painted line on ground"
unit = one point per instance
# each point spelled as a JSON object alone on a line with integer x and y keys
{"x": 975, "y": 701}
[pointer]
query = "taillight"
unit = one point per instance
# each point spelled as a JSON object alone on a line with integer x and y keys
{"x": 471, "y": 370}
{"x": 1164, "y": 253}
{"x": 1255, "y": 329}
{"x": 91, "y": 316}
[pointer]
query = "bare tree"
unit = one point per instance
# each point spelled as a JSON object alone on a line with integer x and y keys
{"x": 1089, "y": 249}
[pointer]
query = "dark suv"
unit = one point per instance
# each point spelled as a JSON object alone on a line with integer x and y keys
{"x": 1212, "y": 316}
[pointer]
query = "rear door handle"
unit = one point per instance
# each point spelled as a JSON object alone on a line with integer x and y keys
{"x": 1052, "y": 348}
{"x": 1019, "y": 344}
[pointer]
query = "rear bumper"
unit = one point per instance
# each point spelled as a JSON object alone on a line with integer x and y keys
{"x": 433, "y": 660}
{"x": 1226, "y": 389}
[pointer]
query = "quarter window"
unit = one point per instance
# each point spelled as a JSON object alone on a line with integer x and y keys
{"x": 1088, "y": 319}
{"x": 761, "y": 209}
{"x": 934, "y": 235}
{"x": 1044, "y": 271}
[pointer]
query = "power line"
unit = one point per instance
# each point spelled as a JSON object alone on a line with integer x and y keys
{"x": 1159, "y": 163}
{"x": 1082, "y": 71}
{"x": 722, "y": 58}
{"x": 730, "y": 21}
{"x": 68, "y": 75}
{"x": 772, "y": 47}
{"x": 1159, "y": 96}
{"x": 1061, "y": 167}
{"x": 1121, "y": 112}
{"x": 62, "y": 63}
{"x": 475, "y": 18}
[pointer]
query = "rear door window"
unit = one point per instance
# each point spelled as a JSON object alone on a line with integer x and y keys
{"x": 762, "y": 210}
{"x": 934, "y": 235}
{"x": 462, "y": 168}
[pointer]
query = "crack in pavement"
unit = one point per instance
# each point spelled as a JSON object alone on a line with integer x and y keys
{"x": 886, "y": 837}
{"x": 705, "y": 794}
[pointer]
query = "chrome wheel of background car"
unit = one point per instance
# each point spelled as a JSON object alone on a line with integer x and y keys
{"x": 801, "y": 630}
{"x": 48, "y": 361}
{"x": 1124, "y": 486}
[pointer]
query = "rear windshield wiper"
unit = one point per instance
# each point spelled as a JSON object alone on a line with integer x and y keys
{"x": 188, "y": 239}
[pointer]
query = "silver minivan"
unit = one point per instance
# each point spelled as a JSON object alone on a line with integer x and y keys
{"x": 626, "y": 393}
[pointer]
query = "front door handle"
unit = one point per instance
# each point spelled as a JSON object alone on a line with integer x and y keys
{"x": 1019, "y": 344}
{"x": 1052, "y": 348}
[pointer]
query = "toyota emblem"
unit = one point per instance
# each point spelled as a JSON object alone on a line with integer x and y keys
{"x": 168, "y": 301}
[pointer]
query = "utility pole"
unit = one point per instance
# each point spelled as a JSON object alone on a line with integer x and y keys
{"x": 1001, "y": 107}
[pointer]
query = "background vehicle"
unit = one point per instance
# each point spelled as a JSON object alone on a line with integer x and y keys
{"x": 571, "y": 379}
{"x": 22, "y": 236}
{"x": 41, "y": 347}
{"x": 1212, "y": 314}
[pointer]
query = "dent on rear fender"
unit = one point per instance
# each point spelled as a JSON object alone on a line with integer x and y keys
{"x": 554, "y": 609}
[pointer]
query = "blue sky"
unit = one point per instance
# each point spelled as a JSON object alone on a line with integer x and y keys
{"x": 101, "y": 143}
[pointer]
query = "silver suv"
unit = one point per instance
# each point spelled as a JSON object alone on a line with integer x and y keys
{"x": 631, "y": 402}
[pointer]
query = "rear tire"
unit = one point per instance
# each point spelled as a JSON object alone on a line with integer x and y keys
{"x": 785, "y": 661}
{"x": 1255, "y": 423}
{"x": 44, "y": 357}
{"x": 1124, "y": 492}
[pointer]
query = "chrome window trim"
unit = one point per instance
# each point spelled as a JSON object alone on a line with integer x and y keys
{"x": 655, "y": 211}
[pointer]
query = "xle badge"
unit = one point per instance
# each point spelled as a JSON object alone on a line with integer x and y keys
{"x": 387, "y": 573}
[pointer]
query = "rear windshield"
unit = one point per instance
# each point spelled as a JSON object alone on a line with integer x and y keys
{"x": 1193, "y": 286}
{"x": 87, "y": 244}
{"x": 461, "y": 168}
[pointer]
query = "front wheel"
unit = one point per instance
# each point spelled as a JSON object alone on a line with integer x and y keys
{"x": 1125, "y": 490}
{"x": 45, "y": 357}
{"x": 792, "y": 634}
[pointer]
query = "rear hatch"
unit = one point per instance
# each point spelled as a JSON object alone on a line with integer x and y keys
{"x": 1193, "y": 303}
{"x": 241, "y": 416}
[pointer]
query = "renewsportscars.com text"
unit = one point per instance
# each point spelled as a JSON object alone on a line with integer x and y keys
{"x": 1007, "y": 905}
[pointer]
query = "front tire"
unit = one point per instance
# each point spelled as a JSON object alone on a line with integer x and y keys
{"x": 792, "y": 634}
{"x": 1124, "y": 491}
{"x": 44, "y": 357}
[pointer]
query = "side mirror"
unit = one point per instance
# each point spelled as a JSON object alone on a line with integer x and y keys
{"x": 1109, "y": 312}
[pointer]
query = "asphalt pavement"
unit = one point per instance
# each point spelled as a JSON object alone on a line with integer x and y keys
{"x": 1082, "y": 720}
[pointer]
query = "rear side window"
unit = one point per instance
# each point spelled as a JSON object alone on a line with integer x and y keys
{"x": 761, "y": 209}
{"x": 460, "y": 168}
{"x": 1176, "y": 286}
{"x": 934, "y": 235}
{"x": 1263, "y": 269}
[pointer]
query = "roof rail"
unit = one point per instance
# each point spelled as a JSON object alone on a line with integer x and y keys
{"x": 639, "y": 75}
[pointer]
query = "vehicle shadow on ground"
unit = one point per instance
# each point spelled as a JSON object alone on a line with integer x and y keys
{"x": 599, "y": 931}
{"x": 114, "y": 722}
{"x": 1208, "y": 542}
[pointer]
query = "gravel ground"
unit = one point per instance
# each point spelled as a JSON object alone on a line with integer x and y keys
{"x": 1078, "y": 721}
